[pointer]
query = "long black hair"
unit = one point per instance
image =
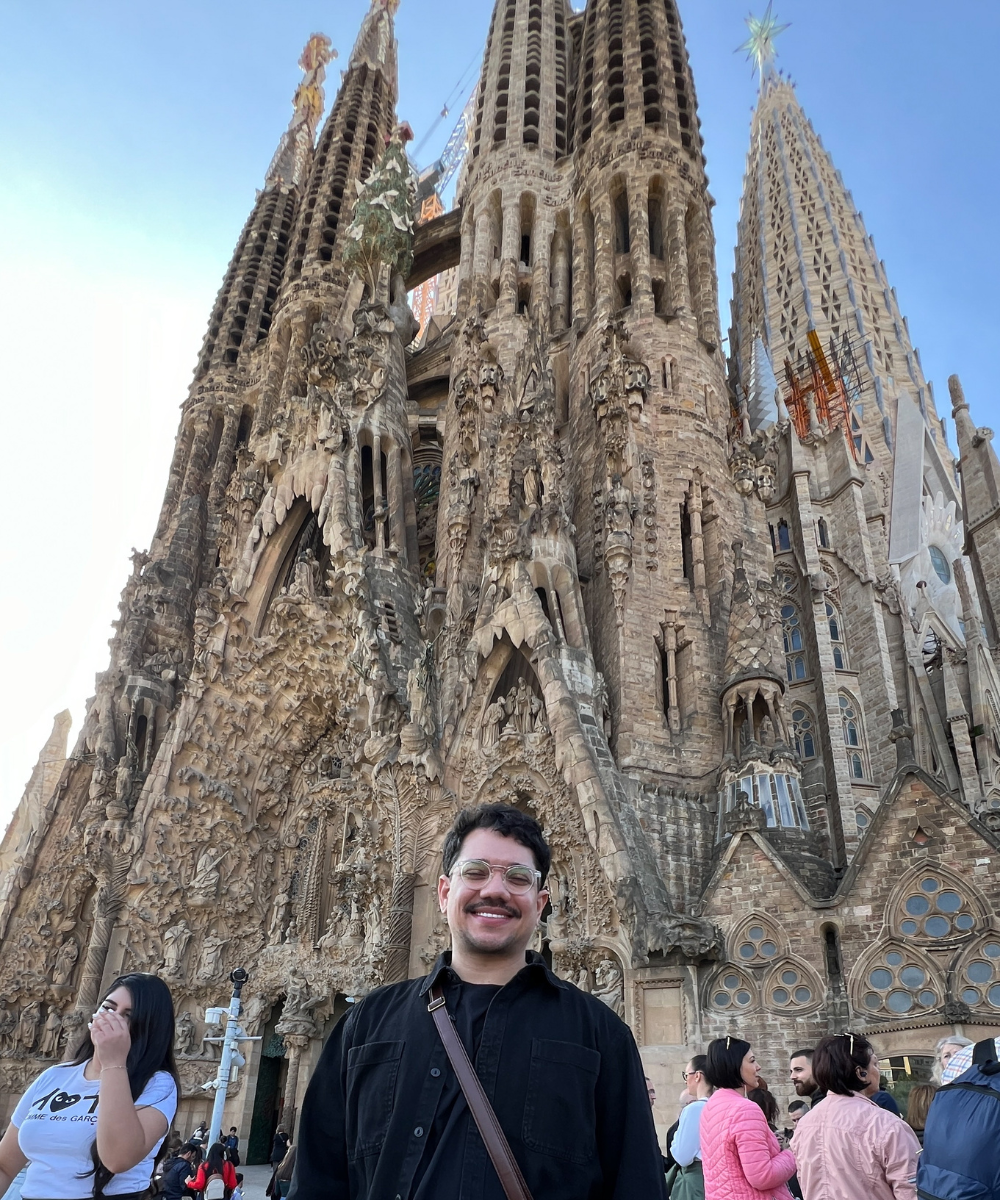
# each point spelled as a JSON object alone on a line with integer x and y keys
{"x": 216, "y": 1159}
{"x": 151, "y": 1028}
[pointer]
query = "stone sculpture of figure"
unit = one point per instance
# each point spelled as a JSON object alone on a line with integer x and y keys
{"x": 619, "y": 508}
{"x": 608, "y": 986}
{"x": 539, "y": 721}
{"x": 184, "y": 1035}
{"x": 27, "y": 1026}
{"x": 373, "y": 926}
{"x": 205, "y": 884}
{"x": 522, "y": 706}
{"x": 305, "y": 576}
{"x": 279, "y": 918}
{"x": 492, "y": 720}
{"x": 49, "y": 1045}
{"x": 296, "y": 993}
{"x": 765, "y": 733}
{"x": 531, "y": 490}
{"x": 175, "y": 944}
{"x": 334, "y": 929}
{"x": 69, "y": 952}
{"x": 210, "y": 966}
{"x": 7, "y": 1023}
{"x": 583, "y": 979}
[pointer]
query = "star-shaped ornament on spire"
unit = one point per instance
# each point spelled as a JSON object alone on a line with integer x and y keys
{"x": 760, "y": 44}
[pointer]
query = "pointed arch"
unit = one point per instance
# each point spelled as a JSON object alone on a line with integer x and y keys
{"x": 934, "y": 906}
{"x": 731, "y": 990}
{"x": 976, "y": 978}
{"x": 896, "y": 980}
{"x": 838, "y": 642}
{"x": 792, "y": 985}
{"x": 757, "y": 940}
{"x": 855, "y": 739}
{"x": 805, "y": 732}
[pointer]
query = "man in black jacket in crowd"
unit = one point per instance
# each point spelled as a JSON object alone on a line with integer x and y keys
{"x": 384, "y": 1117}
{"x": 177, "y": 1172}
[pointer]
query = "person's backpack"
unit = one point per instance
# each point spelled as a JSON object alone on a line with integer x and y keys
{"x": 215, "y": 1189}
{"x": 961, "y": 1157}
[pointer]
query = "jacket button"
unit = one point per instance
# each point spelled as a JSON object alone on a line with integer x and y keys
{"x": 435, "y": 1072}
{"x": 419, "y": 1131}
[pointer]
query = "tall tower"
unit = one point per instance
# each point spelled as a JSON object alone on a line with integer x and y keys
{"x": 865, "y": 518}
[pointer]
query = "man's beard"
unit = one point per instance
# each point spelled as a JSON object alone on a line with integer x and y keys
{"x": 804, "y": 1089}
{"x": 503, "y": 947}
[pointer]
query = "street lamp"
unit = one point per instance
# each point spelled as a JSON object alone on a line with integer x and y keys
{"x": 230, "y": 1049}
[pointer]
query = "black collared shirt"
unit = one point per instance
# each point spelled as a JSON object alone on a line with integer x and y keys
{"x": 384, "y": 1119}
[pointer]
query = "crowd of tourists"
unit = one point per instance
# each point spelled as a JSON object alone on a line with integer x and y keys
{"x": 494, "y": 1078}
{"x": 845, "y": 1137}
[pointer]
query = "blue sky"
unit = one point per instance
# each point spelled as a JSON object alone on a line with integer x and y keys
{"x": 133, "y": 137}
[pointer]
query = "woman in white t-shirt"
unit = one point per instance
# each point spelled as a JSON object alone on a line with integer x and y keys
{"x": 92, "y": 1127}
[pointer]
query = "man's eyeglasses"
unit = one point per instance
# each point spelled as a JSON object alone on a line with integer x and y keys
{"x": 477, "y": 873}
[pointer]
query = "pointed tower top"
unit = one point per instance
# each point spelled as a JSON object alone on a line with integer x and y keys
{"x": 292, "y": 156}
{"x": 376, "y": 43}
{"x": 760, "y": 44}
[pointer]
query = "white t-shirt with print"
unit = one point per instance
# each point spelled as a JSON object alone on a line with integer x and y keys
{"x": 56, "y": 1120}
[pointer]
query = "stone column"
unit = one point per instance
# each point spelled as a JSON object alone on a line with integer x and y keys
{"x": 197, "y": 463}
{"x": 481, "y": 265}
{"x": 106, "y": 909}
{"x": 638, "y": 219}
{"x": 604, "y": 256}
{"x": 397, "y": 514}
{"x": 677, "y": 259}
{"x": 296, "y": 1045}
{"x": 561, "y": 315}
{"x": 582, "y": 283}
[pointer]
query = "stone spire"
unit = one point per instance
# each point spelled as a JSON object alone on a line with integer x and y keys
{"x": 980, "y": 472}
{"x": 352, "y": 141}
{"x": 291, "y": 159}
{"x": 806, "y": 265}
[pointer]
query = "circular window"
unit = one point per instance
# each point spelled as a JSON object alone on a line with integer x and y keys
{"x": 909, "y": 927}
{"x": 949, "y": 902}
{"x": 965, "y": 921}
{"x": 899, "y": 986}
{"x": 894, "y": 958}
{"x": 937, "y": 927}
{"x": 916, "y": 906}
{"x": 789, "y": 977}
{"x": 930, "y": 885}
{"x": 756, "y": 934}
{"x": 721, "y": 999}
{"x": 979, "y": 972}
{"x": 768, "y": 949}
{"x": 994, "y": 995}
{"x": 992, "y": 950}
{"x": 862, "y": 819}
{"x": 731, "y": 981}
{"x": 913, "y": 977}
{"x": 743, "y": 998}
{"x": 747, "y": 951}
{"x": 926, "y": 999}
{"x": 780, "y": 996}
{"x": 873, "y": 1000}
{"x": 899, "y": 1002}
{"x": 803, "y": 995}
{"x": 880, "y": 978}
{"x": 940, "y": 564}
{"x": 759, "y": 943}
{"x": 970, "y": 996}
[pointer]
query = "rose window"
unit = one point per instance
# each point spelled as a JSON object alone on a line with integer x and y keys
{"x": 980, "y": 977}
{"x": 935, "y": 910}
{"x": 758, "y": 944}
{"x": 898, "y": 986}
{"x": 790, "y": 988}
{"x": 731, "y": 991}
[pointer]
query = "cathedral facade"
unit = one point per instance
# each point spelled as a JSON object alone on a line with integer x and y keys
{"x": 725, "y": 625}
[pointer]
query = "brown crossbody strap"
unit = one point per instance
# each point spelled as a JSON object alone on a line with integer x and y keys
{"x": 511, "y": 1179}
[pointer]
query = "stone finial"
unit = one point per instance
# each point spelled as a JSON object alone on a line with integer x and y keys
{"x": 291, "y": 159}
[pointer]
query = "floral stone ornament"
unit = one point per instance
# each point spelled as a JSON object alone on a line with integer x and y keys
{"x": 381, "y": 232}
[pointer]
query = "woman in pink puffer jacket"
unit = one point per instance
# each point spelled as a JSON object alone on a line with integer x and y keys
{"x": 740, "y": 1155}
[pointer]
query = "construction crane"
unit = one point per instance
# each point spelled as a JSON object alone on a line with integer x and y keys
{"x": 439, "y": 174}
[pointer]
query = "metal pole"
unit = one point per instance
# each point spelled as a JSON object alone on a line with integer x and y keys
{"x": 239, "y": 978}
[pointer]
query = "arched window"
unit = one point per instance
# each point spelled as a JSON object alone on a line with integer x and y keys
{"x": 803, "y": 733}
{"x": 784, "y": 539}
{"x": 854, "y": 736}
{"x": 837, "y": 642}
{"x": 824, "y": 533}
{"x": 791, "y": 633}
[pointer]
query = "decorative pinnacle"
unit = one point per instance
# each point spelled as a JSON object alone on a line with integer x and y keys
{"x": 290, "y": 159}
{"x": 760, "y": 44}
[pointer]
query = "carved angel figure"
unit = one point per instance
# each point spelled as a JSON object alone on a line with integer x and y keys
{"x": 27, "y": 1027}
{"x": 49, "y": 1045}
{"x": 69, "y": 952}
{"x": 210, "y": 966}
{"x": 175, "y": 943}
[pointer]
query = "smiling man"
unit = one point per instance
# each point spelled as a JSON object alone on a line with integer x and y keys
{"x": 385, "y": 1117}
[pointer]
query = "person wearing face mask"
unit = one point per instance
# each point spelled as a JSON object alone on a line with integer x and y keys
{"x": 740, "y": 1155}
{"x": 848, "y": 1146}
{"x": 92, "y": 1127}
{"x": 392, "y": 1108}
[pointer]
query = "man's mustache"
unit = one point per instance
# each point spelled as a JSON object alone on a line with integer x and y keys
{"x": 504, "y": 908}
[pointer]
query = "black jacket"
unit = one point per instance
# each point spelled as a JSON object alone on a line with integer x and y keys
{"x": 175, "y": 1174}
{"x": 561, "y": 1070}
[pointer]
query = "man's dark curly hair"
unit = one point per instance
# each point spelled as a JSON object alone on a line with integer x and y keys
{"x": 503, "y": 819}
